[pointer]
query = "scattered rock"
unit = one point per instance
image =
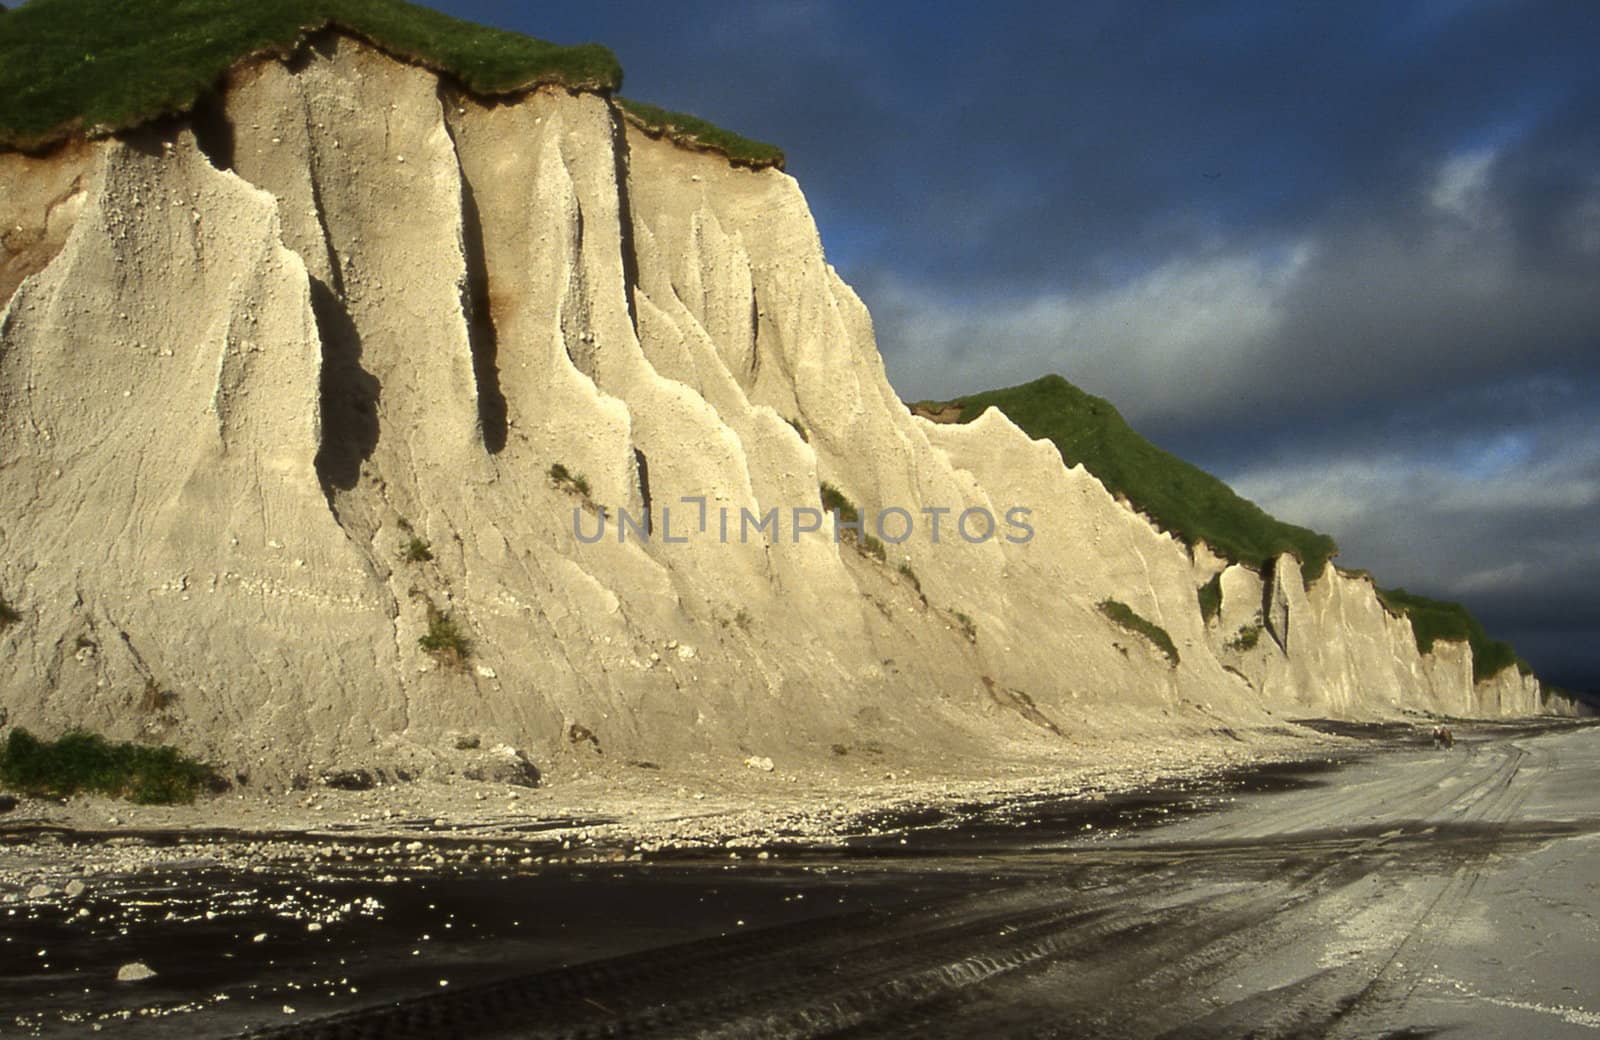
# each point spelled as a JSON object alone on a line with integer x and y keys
{"x": 134, "y": 971}
{"x": 75, "y": 888}
{"x": 40, "y": 892}
{"x": 760, "y": 762}
{"x": 348, "y": 779}
{"x": 503, "y": 764}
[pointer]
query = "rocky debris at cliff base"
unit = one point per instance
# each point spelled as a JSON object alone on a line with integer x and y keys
{"x": 600, "y": 816}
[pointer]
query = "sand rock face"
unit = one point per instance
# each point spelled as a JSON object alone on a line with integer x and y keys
{"x": 373, "y": 367}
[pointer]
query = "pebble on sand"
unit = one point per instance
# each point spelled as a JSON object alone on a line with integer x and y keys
{"x": 134, "y": 971}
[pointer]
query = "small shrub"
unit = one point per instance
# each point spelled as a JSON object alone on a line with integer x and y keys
{"x": 417, "y": 550}
{"x": 910, "y": 575}
{"x": 1125, "y": 616}
{"x": 8, "y": 614}
{"x": 834, "y": 501}
{"x": 1245, "y": 639}
{"x": 969, "y": 627}
{"x": 81, "y": 761}
{"x": 568, "y": 480}
{"x": 445, "y": 640}
{"x": 1211, "y": 599}
{"x": 743, "y": 619}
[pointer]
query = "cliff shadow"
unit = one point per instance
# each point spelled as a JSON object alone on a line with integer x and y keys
{"x": 623, "y": 161}
{"x": 213, "y": 130}
{"x": 349, "y": 395}
{"x": 481, "y": 336}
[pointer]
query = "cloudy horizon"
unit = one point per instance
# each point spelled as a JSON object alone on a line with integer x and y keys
{"x": 1343, "y": 256}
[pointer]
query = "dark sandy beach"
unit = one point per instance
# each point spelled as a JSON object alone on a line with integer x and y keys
{"x": 1390, "y": 887}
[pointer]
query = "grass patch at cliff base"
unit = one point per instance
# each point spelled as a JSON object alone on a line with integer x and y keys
{"x": 81, "y": 762}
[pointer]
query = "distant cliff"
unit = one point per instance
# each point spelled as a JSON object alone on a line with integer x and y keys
{"x": 313, "y": 399}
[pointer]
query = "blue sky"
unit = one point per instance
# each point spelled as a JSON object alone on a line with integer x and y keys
{"x": 1345, "y": 255}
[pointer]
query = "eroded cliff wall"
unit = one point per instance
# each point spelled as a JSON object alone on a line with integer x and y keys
{"x": 283, "y": 388}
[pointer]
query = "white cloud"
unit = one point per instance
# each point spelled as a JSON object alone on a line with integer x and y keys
{"x": 1461, "y": 187}
{"x": 1155, "y": 345}
{"x": 1411, "y": 518}
{"x": 1371, "y": 306}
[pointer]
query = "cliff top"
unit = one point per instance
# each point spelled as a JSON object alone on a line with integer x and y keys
{"x": 72, "y": 66}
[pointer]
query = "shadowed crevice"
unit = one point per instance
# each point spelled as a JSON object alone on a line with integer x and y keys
{"x": 755, "y": 334}
{"x": 630, "y": 259}
{"x": 335, "y": 270}
{"x": 643, "y": 466}
{"x": 213, "y": 130}
{"x": 481, "y": 335}
{"x": 349, "y": 396}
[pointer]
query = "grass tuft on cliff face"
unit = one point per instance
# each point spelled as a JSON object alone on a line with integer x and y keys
{"x": 1126, "y": 617}
{"x": 1436, "y": 619}
{"x": 445, "y": 641}
{"x": 1181, "y": 498}
{"x": 86, "y": 762}
{"x": 834, "y": 501}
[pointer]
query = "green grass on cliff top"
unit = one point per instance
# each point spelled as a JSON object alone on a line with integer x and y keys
{"x": 117, "y": 63}
{"x": 692, "y": 130}
{"x": 68, "y": 65}
{"x": 1435, "y": 619}
{"x": 1182, "y": 499}
{"x": 1192, "y": 504}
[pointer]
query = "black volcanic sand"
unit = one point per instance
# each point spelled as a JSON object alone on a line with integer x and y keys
{"x": 278, "y": 944}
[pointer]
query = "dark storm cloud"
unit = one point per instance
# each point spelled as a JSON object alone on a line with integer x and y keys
{"x": 1346, "y": 253}
{"x": 1500, "y": 518}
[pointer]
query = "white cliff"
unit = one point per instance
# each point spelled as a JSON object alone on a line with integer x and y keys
{"x": 237, "y": 382}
